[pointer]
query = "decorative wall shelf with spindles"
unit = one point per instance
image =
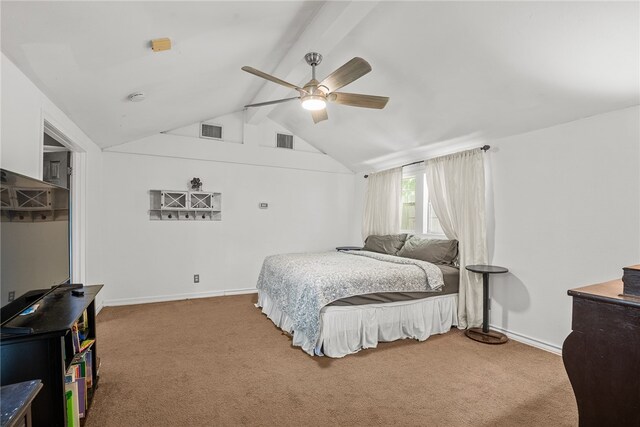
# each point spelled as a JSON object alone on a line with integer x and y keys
{"x": 172, "y": 205}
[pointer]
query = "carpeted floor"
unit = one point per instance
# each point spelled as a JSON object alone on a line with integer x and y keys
{"x": 219, "y": 361}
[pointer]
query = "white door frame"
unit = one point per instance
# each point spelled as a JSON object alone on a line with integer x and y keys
{"x": 78, "y": 196}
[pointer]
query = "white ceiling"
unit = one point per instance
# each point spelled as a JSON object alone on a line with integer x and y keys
{"x": 454, "y": 71}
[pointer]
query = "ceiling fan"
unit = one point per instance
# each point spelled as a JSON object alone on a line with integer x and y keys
{"x": 314, "y": 95}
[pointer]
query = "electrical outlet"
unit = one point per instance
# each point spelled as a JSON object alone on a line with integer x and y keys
{"x": 12, "y": 295}
{"x": 196, "y": 278}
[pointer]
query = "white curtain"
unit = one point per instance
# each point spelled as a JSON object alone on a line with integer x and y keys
{"x": 456, "y": 192}
{"x": 382, "y": 203}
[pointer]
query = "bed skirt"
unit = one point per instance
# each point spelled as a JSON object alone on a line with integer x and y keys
{"x": 349, "y": 329}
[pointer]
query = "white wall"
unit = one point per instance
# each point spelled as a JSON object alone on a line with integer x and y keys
{"x": 251, "y": 152}
{"x": 310, "y": 195}
{"x": 563, "y": 211}
{"x": 357, "y": 213}
{"x": 235, "y": 130}
{"x": 310, "y": 200}
{"x": 566, "y": 214}
{"x": 24, "y": 108}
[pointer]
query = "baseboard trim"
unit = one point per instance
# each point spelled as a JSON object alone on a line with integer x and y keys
{"x": 551, "y": 348}
{"x": 176, "y": 297}
{"x": 241, "y": 291}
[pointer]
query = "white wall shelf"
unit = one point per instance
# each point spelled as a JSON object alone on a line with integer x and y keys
{"x": 185, "y": 205}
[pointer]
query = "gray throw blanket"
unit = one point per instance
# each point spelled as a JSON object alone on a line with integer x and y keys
{"x": 301, "y": 284}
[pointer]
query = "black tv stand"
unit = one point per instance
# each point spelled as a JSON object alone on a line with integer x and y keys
{"x": 33, "y": 297}
{"x": 62, "y": 290}
{"x": 17, "y": 306}
{"x": 15, "y": 330}
{"x": 47, "y": 351}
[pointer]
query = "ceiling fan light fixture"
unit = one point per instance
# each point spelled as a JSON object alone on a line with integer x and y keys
{"x": 315, "y": 94}
{"x": 313, "y": 102}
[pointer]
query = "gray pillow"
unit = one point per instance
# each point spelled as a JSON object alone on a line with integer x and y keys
{"x": 389, "y": 244}
{"x": 430, "y": 250}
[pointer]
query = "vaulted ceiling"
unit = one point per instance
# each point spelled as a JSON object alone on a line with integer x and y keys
{"x": 454, "y": 71}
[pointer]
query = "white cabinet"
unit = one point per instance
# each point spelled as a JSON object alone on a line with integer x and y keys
{"x": 185, "y": 205}
{"x": 173, "y": 199}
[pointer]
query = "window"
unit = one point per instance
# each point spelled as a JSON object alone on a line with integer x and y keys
{"x": 417, "y": 215}
{"x": 408, "y": 221}
{"x": 433, "y": 223}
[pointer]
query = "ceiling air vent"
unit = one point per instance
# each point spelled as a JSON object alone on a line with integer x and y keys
{"x": 210, "y": 131}
{"x": 284, "y": 141}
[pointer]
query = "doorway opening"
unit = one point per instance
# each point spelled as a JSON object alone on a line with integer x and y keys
{"x": 63, "y": 165}
{"x": 56, "y": 162}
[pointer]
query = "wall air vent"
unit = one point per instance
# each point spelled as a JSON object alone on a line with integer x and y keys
{"x": 210, "y": 131}
{"x": 284, "y": 141}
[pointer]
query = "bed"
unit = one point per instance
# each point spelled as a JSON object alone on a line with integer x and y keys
{"x": 338, "y": 303}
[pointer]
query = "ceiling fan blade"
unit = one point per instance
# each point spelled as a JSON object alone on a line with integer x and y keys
{"x": 357, "y": 100}
{"x": 319, "y": 115}
{"x": 346, "y": 74}
{"x": 271, "y": 78}
{"x": 277, "y": 101}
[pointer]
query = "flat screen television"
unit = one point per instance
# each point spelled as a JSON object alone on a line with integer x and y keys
{"x": 34, "y": 241}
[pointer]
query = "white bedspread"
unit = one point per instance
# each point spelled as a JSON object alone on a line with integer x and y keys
{"x": 300, "y": 285}
{"x": 349, "y": 329}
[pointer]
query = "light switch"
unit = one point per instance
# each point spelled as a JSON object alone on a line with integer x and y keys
{"x": 263, "y": 205}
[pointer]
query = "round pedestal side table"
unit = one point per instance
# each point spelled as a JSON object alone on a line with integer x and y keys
{"x": 484, "y": 334}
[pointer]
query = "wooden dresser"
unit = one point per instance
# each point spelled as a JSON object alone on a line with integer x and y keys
{"x": 602, "y": 355}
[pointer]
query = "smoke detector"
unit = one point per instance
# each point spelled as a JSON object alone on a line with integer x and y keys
{"x": 137, "y": 97}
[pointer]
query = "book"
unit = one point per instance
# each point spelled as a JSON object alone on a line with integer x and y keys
{"x": 75, "y": 337}
{"x": 83, "y": 326}
{"x": 86, "y": 344}
{"x": 70, "y": 376}
{"x": 68, "y": 394}
{"x": 80, "y": 366}
{"x": 89, "y": 369}
{"x": 82, "y": 396}
{"x": 76, "y": 371}
{"x": 74, "y": 419}
{"x": 631, "y": 280}
{"x": 76, "y": 414}
{"x": 78, "y": 379}
{"x": 30, "y": 310}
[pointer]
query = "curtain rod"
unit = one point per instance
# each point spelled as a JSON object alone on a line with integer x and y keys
{"x": 483, "y": 148}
